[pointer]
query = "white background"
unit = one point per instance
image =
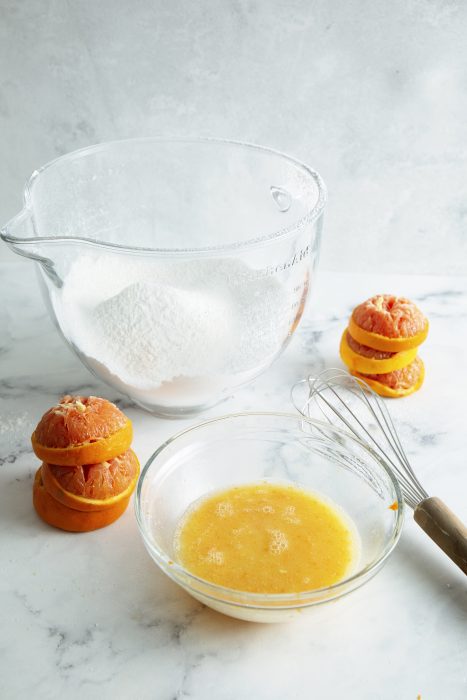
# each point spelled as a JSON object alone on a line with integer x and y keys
{"x": 373, "y": 94}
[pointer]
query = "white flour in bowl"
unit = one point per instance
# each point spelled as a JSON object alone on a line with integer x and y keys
{"x": 172, "y": 327}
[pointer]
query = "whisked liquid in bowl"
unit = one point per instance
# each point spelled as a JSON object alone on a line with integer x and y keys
{"x": 267, "y": 538}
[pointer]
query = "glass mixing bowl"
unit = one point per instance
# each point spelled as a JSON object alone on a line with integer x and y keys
{"x": 277, "y": 447}
{"x": 176, "y": 269}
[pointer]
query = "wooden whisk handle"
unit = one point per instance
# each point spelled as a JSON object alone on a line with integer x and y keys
{"x": 444, "y": 528}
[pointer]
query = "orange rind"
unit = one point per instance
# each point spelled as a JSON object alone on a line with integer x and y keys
{"x": 92, "y": 487}
{"x": 366, "y": 360}
{"x": 381, "y": 342}
{"x": 82, "y": 430}
{"x": 396, "y": 384}
{"x": 60, "y": 516}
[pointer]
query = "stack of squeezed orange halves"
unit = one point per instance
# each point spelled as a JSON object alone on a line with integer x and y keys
{"x": 381, "y": 342}
{"x": 88, "y": 472}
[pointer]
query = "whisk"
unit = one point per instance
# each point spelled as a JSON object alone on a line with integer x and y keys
{"x": 350, "y": 404}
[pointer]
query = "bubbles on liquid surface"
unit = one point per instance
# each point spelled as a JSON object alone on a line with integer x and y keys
{"x": 224, "y": 509}
{"x": 289, "y": 515}
{"x": 238, "y": 531}
{"x": 278, "y": 542}
{"x": 214, "y": 556}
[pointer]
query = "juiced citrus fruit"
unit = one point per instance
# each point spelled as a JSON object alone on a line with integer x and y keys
{"x": 381, "y": 342}
{"x": 400, "y": 382}
{"x": 88, "y": 472}
{"x": 93, "y": 486}
{"x": 58, "y": 515}
{"x": 388, "y": 323}
{"x": 361, "y": 358}
{"x": 81, "y": 430}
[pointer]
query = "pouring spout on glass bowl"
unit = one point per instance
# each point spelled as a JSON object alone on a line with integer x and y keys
{"x": 20, "y": 236}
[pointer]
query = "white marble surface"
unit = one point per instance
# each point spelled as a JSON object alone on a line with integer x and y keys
{"x": 90, "y": 616}
{"x": 371, "y": 93}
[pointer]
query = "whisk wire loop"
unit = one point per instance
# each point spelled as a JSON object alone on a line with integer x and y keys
{"x": 332, "y": 393}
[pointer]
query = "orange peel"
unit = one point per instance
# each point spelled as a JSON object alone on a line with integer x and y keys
{"x": 382, "y": 342}
{"x": 91, "y": 452}
{"x": 121, "y": 473}
{"x": 373, "y": 365}
{"x": 398, "y": 383}
{"x": 60, "y": 516}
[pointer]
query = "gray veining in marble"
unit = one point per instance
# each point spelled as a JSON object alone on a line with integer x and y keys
{"x": 90, "y": 616}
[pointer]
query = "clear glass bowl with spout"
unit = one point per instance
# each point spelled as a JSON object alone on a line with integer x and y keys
{"x": 177, "y": 270}
{"x": 281, "y": 448}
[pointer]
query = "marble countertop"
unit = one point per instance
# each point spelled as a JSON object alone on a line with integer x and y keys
{"x": 91, "y": 616}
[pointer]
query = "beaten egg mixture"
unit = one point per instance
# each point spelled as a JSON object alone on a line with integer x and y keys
{"x": 266, "y": 538}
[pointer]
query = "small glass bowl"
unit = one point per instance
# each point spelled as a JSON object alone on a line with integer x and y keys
{"x": 275, "y": 447}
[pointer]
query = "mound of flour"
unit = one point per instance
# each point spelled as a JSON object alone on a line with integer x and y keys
{"x": 149, "y": 323}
